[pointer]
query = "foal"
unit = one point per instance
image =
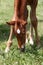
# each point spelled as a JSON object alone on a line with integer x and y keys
{"x": 24, "y": 15}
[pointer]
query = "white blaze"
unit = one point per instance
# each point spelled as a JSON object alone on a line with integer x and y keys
{"x": 18, "y": 31}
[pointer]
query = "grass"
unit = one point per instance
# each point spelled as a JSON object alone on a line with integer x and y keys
{"x": 31, "y": 56}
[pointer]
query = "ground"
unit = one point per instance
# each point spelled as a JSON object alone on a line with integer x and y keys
{"x": 32, "y": 55}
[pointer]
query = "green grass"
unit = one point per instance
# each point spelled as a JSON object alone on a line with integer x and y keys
{"x": 31, "y": 56}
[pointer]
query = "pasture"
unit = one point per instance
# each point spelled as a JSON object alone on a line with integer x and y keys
{"x": 32, "y": 55}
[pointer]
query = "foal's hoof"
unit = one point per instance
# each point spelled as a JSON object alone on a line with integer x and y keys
{"x": 26, "y": 40}
{"x": 7, "y": 50}
{"x": 31, "y": 42}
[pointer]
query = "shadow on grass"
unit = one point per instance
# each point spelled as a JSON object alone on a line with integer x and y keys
{"x": 33, "y": 49}
{"x": 4, "y": 32}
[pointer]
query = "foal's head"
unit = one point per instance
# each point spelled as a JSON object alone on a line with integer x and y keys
{"x": 18, "y": 26}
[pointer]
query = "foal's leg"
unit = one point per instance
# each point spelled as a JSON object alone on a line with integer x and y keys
{"x": 31, "y": 35}
{"x": 9, "y": 42}
{"x": 22, "y": 8}
{"x": 16, "y": 12}
{"x": 34, "y": 22}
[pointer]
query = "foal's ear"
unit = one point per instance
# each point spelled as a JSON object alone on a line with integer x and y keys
{"x": 24, "y": 23}
{"x": 11, "y": 23}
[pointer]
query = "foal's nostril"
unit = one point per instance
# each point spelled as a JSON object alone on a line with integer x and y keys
{"x": 18, "y": 31}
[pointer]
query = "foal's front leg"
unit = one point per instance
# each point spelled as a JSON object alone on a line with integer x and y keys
{"x": 22, "y": 8}
{"x": 16, "y": 10}
{"x": 9, "y": 42}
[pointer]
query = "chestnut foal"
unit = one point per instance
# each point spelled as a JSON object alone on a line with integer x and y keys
{"x": 18, "y": 23}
